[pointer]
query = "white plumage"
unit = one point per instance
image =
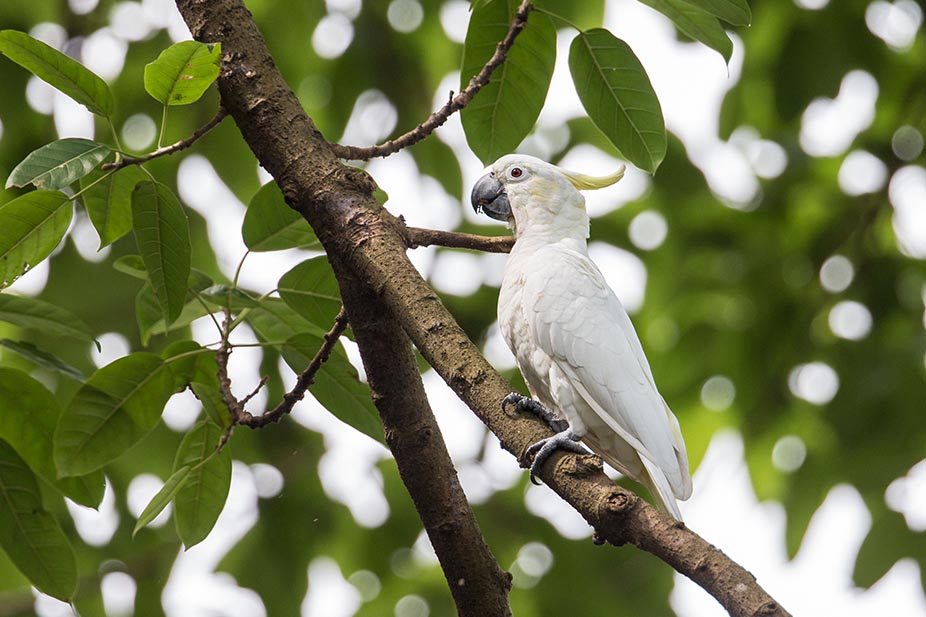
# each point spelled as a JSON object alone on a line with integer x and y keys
{"x": 573, "y": 340}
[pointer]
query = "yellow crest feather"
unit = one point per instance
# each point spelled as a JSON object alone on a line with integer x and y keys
{"x": 583, "y": 182}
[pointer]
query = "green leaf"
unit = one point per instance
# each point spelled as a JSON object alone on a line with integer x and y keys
{"x": 133, "y": 265}
{"x": 505, "y": 110}
{"x": 163, "y": 497}
{"x": 198, "y": 504}
{"x": 62, "y": 72}
{"x": 275, "y": 321}
{"x": 183, "y": 72}
{"x": 618, "y": 96}
{"x": 736, "y": 12}
{"x": 109, "y": 203}
{"x": 118, "y": 405}
{"x": 182, "y": 356}
{"x": 235, "y": 297}
{"x": 271, "y": 225}
{"x": 213, "y": 405}
{"x": 337, "y": 385}
{"x": 151, "y": 321}
{"x": 29, "y": 535}
{"x": 44, "y": 317}
{"x": 695, "y": 23}
{"x": 163, "y": 235}
{"x": 28, "y": 415}
{"x": 42, "y": 358}
{"x": 31, "y": 226}
{"x": 58, "y": 164}
{"x": 311, "y": 290}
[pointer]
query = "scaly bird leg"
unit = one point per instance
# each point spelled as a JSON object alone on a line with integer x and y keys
{"x": 523, "y": 403}
{"x": 564, "y": 439}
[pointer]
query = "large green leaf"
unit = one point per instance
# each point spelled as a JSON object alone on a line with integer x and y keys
{"x": 42, "y": 358}
{"x": 311, "y": 290}
{"x": 163, "y": 235}
{"x": 163, "y": 497}
{"x": 28, "y": 415}
{"x": 618, "y": 96}
{"x": 29, "y": 535}
{"x": 736, "y": 12}
{"x": 505, "y": 110}
{"x": 43, "y": 317}
{"x": 183, "y": 72}
{"x": 118, "y": 405}
{"x": 274, "y": 321}
{"x": 695, "y": 23}
{"x": 200, "y": 501}
{"x": 62, "y": 72}
{"x": 271, "y": 225}
{"x": 58, "y": 164}
{"x": 109, "y": 202}
{"x": 337, "y": 385}
{"x": 31, "y": 226}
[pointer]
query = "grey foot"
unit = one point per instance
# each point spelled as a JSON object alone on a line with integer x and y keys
{"x": 523, "y": 403}
{"x": 564, "y": 440}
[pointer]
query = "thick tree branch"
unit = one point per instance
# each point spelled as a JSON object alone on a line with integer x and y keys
{"x": 183, "y": 144}
{"x": 478, "y": 585}
{"x": 456, "y": 103}
{"x": 417, "y": 236}
{"x": 364, "y": 240}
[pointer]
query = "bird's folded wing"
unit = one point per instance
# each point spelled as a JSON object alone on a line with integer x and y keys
{"x": 577, "y": 320}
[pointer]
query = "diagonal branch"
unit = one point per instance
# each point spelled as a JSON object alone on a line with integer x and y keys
{"x": 183, "y": 144}
{"x": 456, "y": 103}
{"x": 365, "y": 242}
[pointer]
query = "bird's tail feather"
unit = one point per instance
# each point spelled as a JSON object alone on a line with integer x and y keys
{"x": 655, "y": 480}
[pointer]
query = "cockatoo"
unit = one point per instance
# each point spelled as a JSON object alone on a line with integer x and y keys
{"x": 574, "y": 343}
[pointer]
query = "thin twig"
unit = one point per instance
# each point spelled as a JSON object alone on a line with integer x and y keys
{"x": 168, "y": 150}
{"x": 417, "y": 236}
{"x": 455, "y": 104}
{"x": 241, "y": 416}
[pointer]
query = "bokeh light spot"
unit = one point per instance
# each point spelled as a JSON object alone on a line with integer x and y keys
{"x": 850, "y": 320}
{"x": 718, "y": 393}
{"x": 815, "y": 382}
{"x": 836, "y": 274}
{"x": 789, "y": 453}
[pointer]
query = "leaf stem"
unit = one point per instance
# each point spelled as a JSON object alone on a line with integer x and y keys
{"x": 163, "y": 127}
{"x": 557, "y": 16}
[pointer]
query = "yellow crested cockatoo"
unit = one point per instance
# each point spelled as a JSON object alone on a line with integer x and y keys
{"x": 572, "y": 338}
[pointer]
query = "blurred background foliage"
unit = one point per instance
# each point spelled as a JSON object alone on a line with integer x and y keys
{"x": 749, "y": 320}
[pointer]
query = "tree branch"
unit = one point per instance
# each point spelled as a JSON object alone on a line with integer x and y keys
{"x": 455, "y": 104}
{"x": 183, "y": 144}
{"x": 364, "y": 240}
{"x": 416, "y": 237}
{"x": 478, "y": 585}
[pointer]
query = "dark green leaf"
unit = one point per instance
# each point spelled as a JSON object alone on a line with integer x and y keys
{"x": 181, "y": 356}
{"x": 42, "y": 358}
{"x": 311, "y": 290}
{"x": 109, "y": 203}
{"x": 198, "y": 504}
{"x": 213, "y": 405}
{"x": 163, "y": 497}
{"x": 233, "y": 297}
{"x": 183, "y": 72}
{"x": 133, "y": 265}
{"x": 58, "y": 164}
{"x": 271, "y": 225}
{"x": 618, "y": 96}
{"x": 275, "y": 321}
{"x": 31, "y": 226}
{"x": 118, "y": 405}
{"x": 337, "y": 385}
{"x": 28, "y": 415}
{"x": 62, "y": 72}
{"x": 44, "y": 317}
{"x": 151, "y": 321}
{"x": 163, "y": 235}
{"x": 695, "y": 23}
{"x": 505, "y": 110}
{"x": 736, "y": 12}
{"x": 29, "y": 535}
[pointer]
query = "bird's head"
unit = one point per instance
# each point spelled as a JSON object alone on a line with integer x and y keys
{"x": 520, "y": 188}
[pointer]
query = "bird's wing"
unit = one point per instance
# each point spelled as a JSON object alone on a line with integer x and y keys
{"x": 576, "y": 319}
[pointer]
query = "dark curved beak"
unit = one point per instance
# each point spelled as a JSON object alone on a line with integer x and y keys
{"x": 489, "y": 197}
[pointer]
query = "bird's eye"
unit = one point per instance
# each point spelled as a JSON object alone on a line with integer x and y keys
{"x": 516, "y": 172}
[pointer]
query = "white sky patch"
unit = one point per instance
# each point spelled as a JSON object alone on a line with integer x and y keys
{"x": 496, "y": 349}
{"x": 332, "y": 36}
{"x": 907, "y": 495}
{"x": 815, "y": 382}
{"x": 32, "y": 282}
{"x": 85, "y": 238}
{"x": 373, "y": 118}
{"x": 405, "y": 15}
{"x": 454, "y": 19}
{"x": 82, "y": 7}
{"x": 907, "y": 193}
{"x": 181, "y": 411}
{"x": 836, "y": 274}
{"x": 348, "y": 8}
{"x": 194, "y": 586}
{"x": 463, "y": 432}
{"x": 895, "y": 23}
{"x": 112, "y": 347}
{"x": 789, "y": 453}
{"x": 718, "y": 393}
{"x": 456, "y": 272}
{"x": 624, "y": 272}
{"x": 829, "y": 126}
{"x": 329, "y": 594}
{"x": 118, "y": 591}
{"x": 648, "y": 230}
{"x": 40, "y": 96}
{"x": 104, "y": 53}
{"x": 547, "y": 505}
{"x": 861, "y": 172}
{"x": 850, "y": 320}
{"x": 139, "y": 132}
{"x": 141, "y": 491}
{"x": 96, "y": 527}
{"x": 590, "y": 160}
{"x": 129, "y": 21}
{"x": 53, "y": 35}
{"x": 71, "y": 118}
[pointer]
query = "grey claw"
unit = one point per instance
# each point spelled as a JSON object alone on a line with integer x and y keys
{"x": 564, "y": 440}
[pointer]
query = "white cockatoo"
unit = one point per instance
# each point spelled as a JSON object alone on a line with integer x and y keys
{"x": 572, "y": 338}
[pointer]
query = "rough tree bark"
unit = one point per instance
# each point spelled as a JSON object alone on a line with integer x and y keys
{"x": 366, "y": 246}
